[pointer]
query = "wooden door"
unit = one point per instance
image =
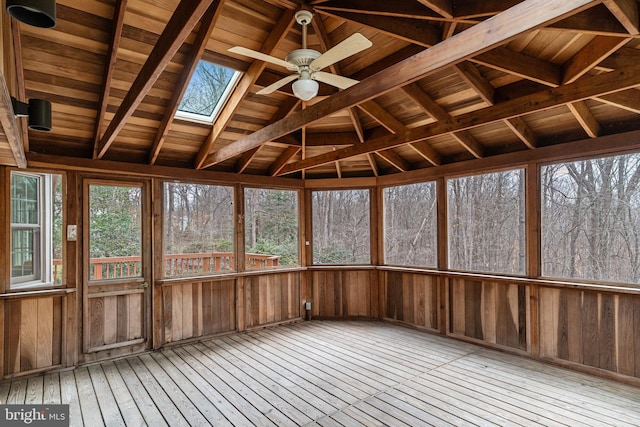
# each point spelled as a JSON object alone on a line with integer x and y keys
{"x": 116, "y": 267}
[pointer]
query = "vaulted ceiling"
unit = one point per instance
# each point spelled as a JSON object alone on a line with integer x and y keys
{"x": 445, "y": 81}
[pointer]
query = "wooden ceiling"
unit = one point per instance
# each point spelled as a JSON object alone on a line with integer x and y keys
{"x": 445, "y": 81}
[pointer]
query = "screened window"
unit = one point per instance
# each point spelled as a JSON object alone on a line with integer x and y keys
{"x": 591, "y": 219}
{"x": 410, "y": 225}
{"x": 198, "y": 229}
{"x": 208, "y": 90}
{"x": 341, "y": 233}
{"x": 487, "y": 223}
{"x": 271, "y": 228}
{"x": 36, "y": 229}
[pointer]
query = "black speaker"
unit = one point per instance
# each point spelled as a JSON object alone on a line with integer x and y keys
{"x": 39, "y": 13}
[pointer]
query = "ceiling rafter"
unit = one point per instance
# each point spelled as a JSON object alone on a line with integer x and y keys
{"x": 580, "y": 90}
{"x": 399, "y": 9}
{"x": 325, "y": 44}
{"x": 112, "y": 54}
{"x": 584, "y": 116}
{"x": 627, "y": 100}
{"x": 10, "y": 126}
{"x": 179, "y": 27}
{"x": 442, "y": 7}
{"x": 283, "y": 159}
{"x": 590, "y": 56}
{"x": 626, "y": 11}
{"x": 16, "y": 38}
{"x": 480, "y": 38}
{"x": 522, "y": 130}
{"x": 207, "y": 24}
{"x": 244, "y": 86}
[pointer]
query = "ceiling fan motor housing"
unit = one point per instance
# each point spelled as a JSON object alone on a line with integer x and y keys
{"x": 302, "y": 57}
{"x": 303, "y": 17}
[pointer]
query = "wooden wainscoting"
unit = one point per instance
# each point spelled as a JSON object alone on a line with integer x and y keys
{"x": 344, "y": 293}
{"x": 492, "y": 312}
{"x": 271, "y": 298}
{"x": 411, "y": 298}
{"x": 598, "y": 329}
{"x": 33, "y": 332}
{"x": 197, "y": 308}
{"x": 114, "y": 319}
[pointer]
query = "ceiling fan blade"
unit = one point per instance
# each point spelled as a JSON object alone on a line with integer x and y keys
{"x": 263, "y": 57}
{"x": 340, "y": 82}
{"x": 349, "y": 46}
{"x": 277, "y": 85}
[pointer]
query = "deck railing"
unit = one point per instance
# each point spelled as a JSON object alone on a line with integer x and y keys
{"x": 175, "y": 265}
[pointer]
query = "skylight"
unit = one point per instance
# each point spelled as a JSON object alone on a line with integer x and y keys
{"x": 207, "y": 92}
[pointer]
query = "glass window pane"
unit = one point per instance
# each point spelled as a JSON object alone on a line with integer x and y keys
{"x": 24, "y": 199}
{"x": 25, "y": 244}
{"x": 208, "y": 89}
{"x": 198, "y": 229}
{"x": 115, "y": 231}
{"x": 271, "y": 228}
{"x": 487, "y": 223}
{"x": 410, "y": 225}
{"x": 341, "y": 227}
{"x": 591, "y": 219}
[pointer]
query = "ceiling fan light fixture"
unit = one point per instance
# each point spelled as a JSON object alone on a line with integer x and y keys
{"x": 305, "y": 89}
{"x": 39, "y": 13}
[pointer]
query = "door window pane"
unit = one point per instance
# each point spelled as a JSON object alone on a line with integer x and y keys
{"x": 115, "y": 231}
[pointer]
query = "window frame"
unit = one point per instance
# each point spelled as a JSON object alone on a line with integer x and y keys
{"x": 371, "y": 200}
{"x": 43, "y": 276}
{"x": 224, "y": 97}
{"x": 243, "y": 250}
{"x": 525, "y": 195}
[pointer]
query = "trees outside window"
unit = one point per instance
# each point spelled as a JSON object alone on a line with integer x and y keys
{"x": 591, "y": 219}
{"x": 486, "y": 220}
{"x": 36, "y": 229}
{"x": 341, "y": 227}
{"x": 410, "y": 225}
{"x": 271, "y": 228}
{"x": 198, "y": 229}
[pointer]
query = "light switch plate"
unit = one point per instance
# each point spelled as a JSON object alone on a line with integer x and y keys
{"x": 72, "y": 233}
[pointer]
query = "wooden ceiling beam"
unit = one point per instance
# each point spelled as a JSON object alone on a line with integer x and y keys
{"x": 469, "y": 143}
{"x": 395, "y": 160}
{"x": 472, "y": 76}
{"x": 518, "y": 64}
{"x": 580, "y": 90}
{"x": 10, "y": 126}
{"x": 584, "y": 116}
{"x": 207, "y": 24}
{"x": 522, "y": 130}
{"x": 478, "y": 39}
{"x": 277, "y": 34}
{"x": 481, "y": 9}
{"x": 590, "y": 56}
{"x": 283, "y": 159}
{"x": 410, "y": 30}
{"x": 442, "y": 7}
{"x": 112, "y": 53}
{"x": 596, "y": 21}
{"x": 398, "y": 9}
{"x": 242, "y": 164}
{"x": 627, "y": 100}
{"x": 424, "y": 149}
{"x": 179, "y": 27}
{"x": 626, "y": 11}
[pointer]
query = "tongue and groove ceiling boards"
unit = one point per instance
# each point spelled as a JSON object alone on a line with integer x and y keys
{"x": 444, "y": 81}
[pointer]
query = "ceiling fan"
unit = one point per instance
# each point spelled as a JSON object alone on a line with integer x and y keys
{"x": 307, "y": 63}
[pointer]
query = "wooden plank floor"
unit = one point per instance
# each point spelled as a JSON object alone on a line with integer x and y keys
{"x": 330, "y": 374}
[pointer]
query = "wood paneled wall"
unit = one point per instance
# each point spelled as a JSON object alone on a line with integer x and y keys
{"x": 599, "y": 329}
{"x": 33, "y": 332}
{"x": 114, "y": 319}
{"x": 492, "y": 312}
{"x": 344, "y": 293}
{"x": 411, "y": 298}
{"x": 271, "y": 298}
{"x": 198, "y": 308}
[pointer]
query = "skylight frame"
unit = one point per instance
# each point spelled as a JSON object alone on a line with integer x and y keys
{"x": 222, "y": 100}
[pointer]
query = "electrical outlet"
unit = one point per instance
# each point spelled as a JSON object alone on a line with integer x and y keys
{"x": 72, "y": 233}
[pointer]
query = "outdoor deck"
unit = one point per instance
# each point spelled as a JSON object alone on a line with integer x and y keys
{"x": 330, "y": 373}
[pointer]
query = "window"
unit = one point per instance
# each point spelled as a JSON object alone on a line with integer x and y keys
{"x": 36, "y": 229}
{"x": 591, "y": 219}
{"x": 271, "y": 228}
{"x": 198, "y": 229}
{"x": 487, "y": 223}
{"x": 208, "y": 90}
{"x": 341, "y": 227}
{"x": 410, "y": 225}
